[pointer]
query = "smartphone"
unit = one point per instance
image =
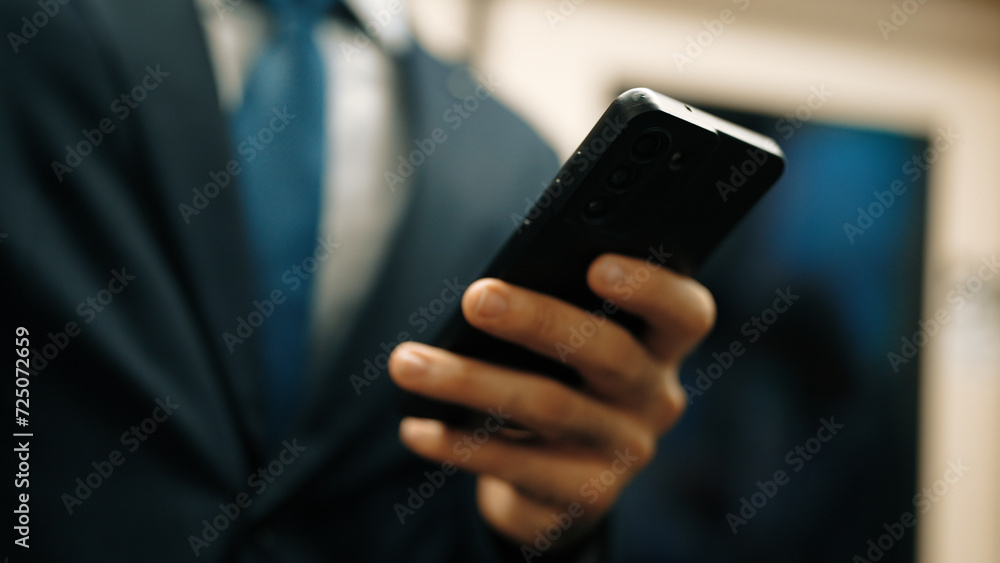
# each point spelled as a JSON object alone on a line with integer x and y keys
{"x": 655, "y": 179}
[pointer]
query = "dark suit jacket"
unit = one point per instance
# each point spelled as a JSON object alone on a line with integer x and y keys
{"x": 108, "y": 368}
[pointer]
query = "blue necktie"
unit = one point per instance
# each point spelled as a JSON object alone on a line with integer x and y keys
{"x": 280, "y": 135}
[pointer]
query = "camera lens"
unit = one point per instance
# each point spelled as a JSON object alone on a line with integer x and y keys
{"x": 678, "y": 160}
{"x": 647, "y": 145}
{"x": 620, "y": 178}
{"x": 596, "y": 209}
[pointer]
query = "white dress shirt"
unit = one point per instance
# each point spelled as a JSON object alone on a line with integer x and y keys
{"x": 364, "y": 130}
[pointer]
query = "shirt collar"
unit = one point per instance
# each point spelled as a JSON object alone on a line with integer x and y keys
{"x": 384, "y": 21}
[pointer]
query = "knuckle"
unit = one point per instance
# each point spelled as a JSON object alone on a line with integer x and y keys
{"x": 703, "y": 313}
{"x": 563, "y": 417}
{"x": 453, "y": 375}
{"x": 678, "y": 401}
{"x": 644, "y": 446}
{"x": 603, "y": 503}
{"x": 673, "y": 412}
{"x": 670, "y": 402}
{"x": 625, "y": 364}
{"x": 517, "y": 402}
{"x": 541, "y": 321}
{"x": 553, "y": 408}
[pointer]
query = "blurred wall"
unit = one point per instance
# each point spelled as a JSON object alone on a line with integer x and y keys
{"x": 909, "y": 66}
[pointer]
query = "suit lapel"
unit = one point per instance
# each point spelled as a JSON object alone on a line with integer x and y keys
{"x": 187, "y": 140}
{"x": 188, "y": 147}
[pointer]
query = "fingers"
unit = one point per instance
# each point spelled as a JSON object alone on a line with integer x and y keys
{"x": 554, "y": 412}
{"x": 537, "y": 471}
{"x": 586, "y": 444}
{"x": 516, "y": 515}
{"x": 612, "y": 362}
{"x": 544, "y": 475}
{"x": 680, "y": 312}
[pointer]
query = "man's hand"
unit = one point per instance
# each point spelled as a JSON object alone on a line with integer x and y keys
{"x": 585, "y": 444}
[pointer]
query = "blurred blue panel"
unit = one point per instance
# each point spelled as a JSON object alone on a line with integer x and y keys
{"x": 825, "y": 357}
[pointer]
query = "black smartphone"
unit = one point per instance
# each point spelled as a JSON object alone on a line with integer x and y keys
{"x": 655, "y": 179}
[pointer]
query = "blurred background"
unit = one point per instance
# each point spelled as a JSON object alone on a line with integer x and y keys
{"x": 884, "y": 228}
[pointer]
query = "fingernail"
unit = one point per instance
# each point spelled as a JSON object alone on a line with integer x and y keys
{"x": 612, "y": 272}
{"x": 420, "y": 429}
{"x": 491, "y": 304}
{"x": 411, "y": 364}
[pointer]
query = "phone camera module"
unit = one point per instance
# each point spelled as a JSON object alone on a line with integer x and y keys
{"x": 648, "y": 145}
{"x": 678, "y": 160}
{"x": 596, "y": 209}
{"x": 620, "y": 179}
